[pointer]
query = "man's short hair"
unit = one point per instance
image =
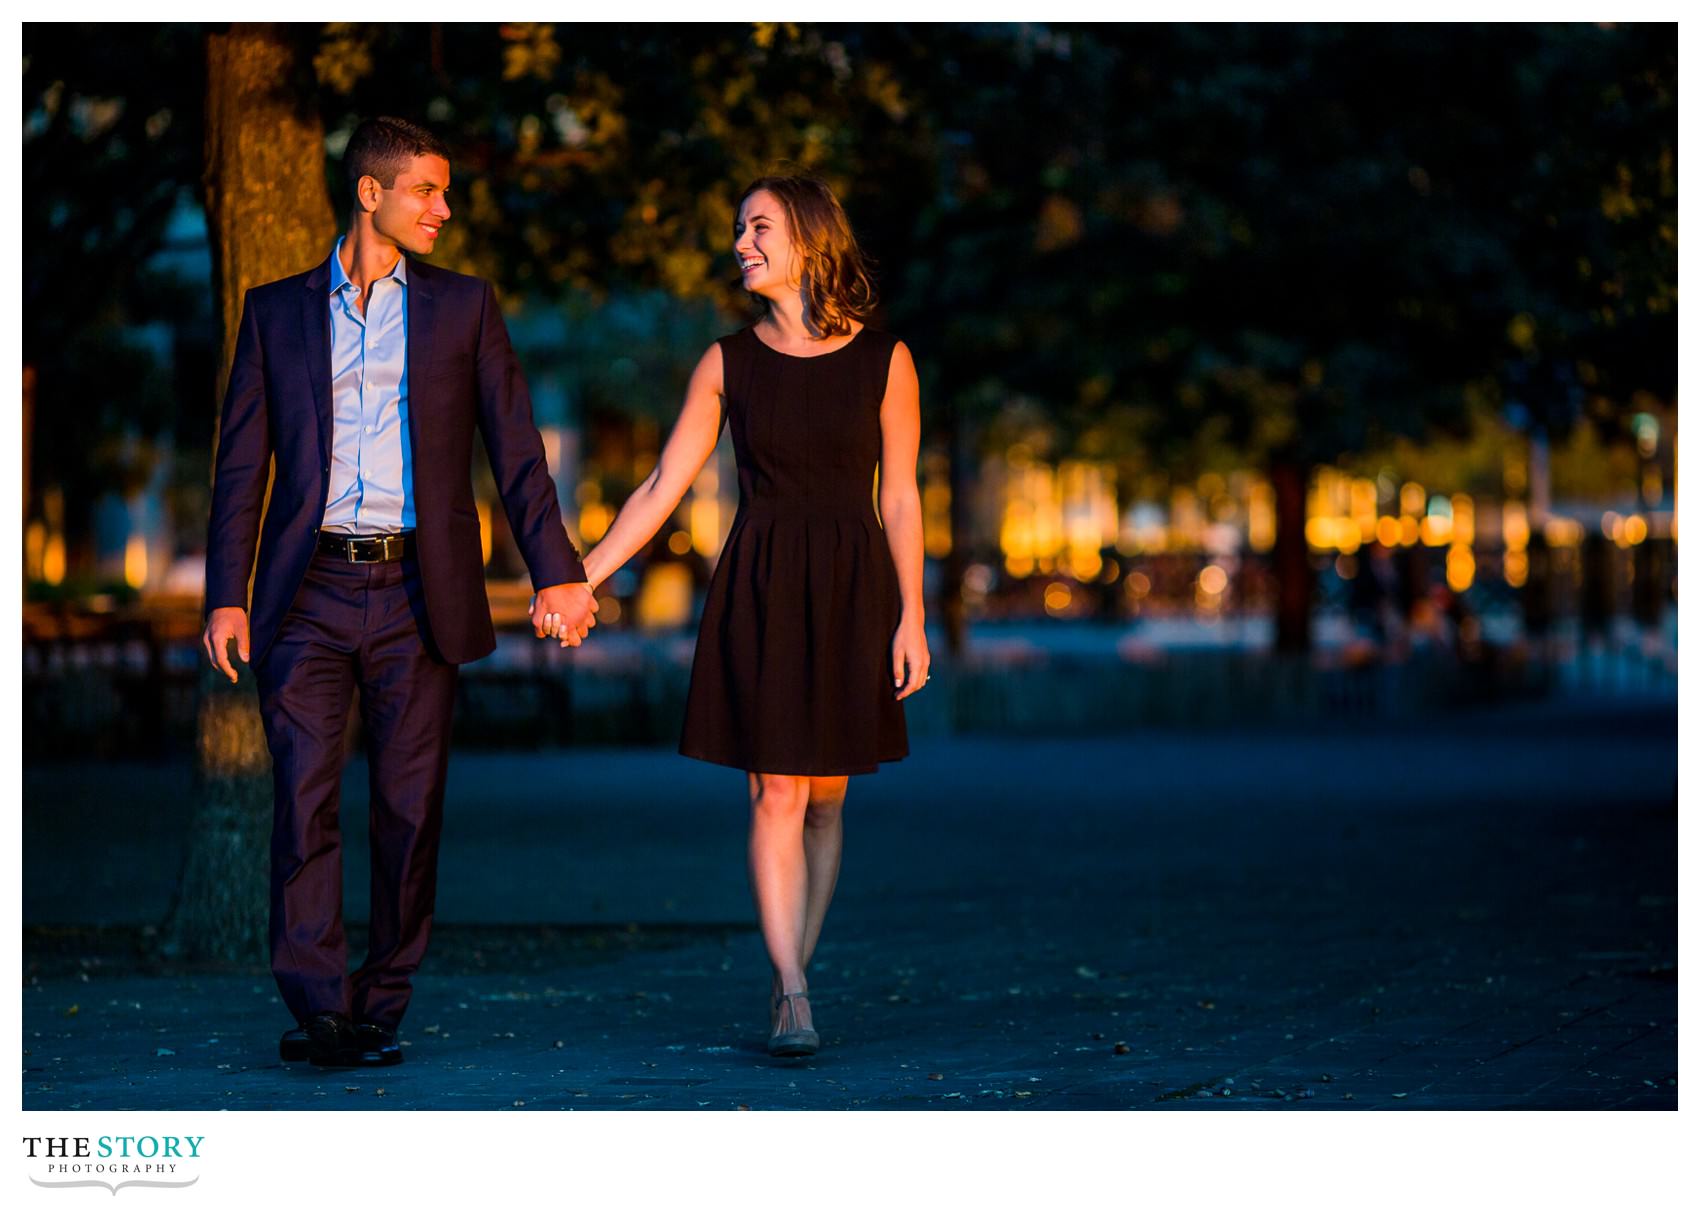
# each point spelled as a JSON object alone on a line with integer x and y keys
{"x": 382, "y": 147}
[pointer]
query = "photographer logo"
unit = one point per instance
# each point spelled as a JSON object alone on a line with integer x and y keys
{"x": 113, "y": 1162}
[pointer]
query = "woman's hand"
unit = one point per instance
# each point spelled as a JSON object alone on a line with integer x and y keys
{"x": 910, "y": 660}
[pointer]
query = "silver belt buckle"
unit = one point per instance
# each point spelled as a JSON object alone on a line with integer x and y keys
{"x": 380, "y": 541}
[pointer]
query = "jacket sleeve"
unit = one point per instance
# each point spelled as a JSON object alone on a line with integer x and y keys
{"x": 516, "y": 455}
{"x": 240, "y": 470}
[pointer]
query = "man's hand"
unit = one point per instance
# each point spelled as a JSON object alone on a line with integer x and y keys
{"x": 223, "y": 625}
{"x": 564, "y": 612}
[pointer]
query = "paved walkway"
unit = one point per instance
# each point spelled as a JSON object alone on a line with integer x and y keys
{"x": 1479, "y": 913}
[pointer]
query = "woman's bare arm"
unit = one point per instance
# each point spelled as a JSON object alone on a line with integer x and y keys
{"x": 900, "y": 512}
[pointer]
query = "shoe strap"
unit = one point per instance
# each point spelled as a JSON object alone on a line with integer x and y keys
{"x": 784, "y": 1002}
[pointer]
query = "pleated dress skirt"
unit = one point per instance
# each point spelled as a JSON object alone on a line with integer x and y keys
{"x": 792, "y": 672}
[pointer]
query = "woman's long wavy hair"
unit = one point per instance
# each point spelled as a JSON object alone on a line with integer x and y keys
{"x": 837, "y": 287}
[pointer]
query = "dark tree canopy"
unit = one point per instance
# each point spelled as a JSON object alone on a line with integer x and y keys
{"x": 1177, "y": 243}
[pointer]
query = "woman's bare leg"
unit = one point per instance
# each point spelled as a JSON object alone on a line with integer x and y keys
{"x": 779, "y": 877}
{"x": 823, "y": 846}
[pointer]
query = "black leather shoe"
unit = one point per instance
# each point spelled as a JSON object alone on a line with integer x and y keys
{"x": 377, "y": 1045}
{"x": 330, "y": 1040}
{"x": 295, "y": 1046}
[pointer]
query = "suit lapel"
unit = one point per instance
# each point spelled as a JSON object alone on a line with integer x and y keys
{"x": 316, "y": 342}
{"x": 421, "y": 306}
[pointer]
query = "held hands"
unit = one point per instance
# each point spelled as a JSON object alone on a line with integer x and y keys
{"x": 564, "y": 612}
{"x": 910, "y": 661}
{"x": 223, "y": 625}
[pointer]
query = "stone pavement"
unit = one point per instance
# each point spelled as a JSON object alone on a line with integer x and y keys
{"x": 1475, "y": 913}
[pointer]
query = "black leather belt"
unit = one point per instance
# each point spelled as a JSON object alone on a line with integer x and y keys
{"x": 366, "y": 549}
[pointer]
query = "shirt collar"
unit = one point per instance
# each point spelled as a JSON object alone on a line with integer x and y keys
{"x": 340, "y": 279}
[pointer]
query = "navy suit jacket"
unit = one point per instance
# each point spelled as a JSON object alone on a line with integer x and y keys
{"x": 461, "y": 373}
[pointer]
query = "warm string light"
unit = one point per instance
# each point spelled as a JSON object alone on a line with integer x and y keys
{"x": 35, "y": 550}
{"x": 1514, "y": 533}
{"x": 935, "y": 505}
{"x": 705, "y": 511}
{"x": 594, "y": 517}
{"x": 1063, "y": 519}
{"x": 136, "y": 561}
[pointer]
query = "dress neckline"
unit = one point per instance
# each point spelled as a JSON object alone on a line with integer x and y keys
{"x": 854, "y": 337}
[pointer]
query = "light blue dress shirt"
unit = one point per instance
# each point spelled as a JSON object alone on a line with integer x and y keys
{"x": 371, "y": 482}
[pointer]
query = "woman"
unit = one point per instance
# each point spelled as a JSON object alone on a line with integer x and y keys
{"x": 813, "y": 604}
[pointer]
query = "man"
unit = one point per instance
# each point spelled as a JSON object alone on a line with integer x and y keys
{"x": 365, "y": 379}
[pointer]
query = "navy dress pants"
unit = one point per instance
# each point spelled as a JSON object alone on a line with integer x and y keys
{"x": 354, "y": 626}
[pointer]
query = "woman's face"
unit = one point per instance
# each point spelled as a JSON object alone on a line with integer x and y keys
{"x": 762, "y": 242}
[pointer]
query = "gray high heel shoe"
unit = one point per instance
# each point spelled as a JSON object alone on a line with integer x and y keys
{"x": 799, "y": 1041}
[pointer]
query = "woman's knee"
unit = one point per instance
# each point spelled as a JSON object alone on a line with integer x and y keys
{"x": 826, "y": 801}
{"x": 778, "y": 793}
{"x": 823, "y": 815}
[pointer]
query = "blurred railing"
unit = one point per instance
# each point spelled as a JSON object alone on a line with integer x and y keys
{"x": 100, "y": 684}
{"x": 124, "y": 683}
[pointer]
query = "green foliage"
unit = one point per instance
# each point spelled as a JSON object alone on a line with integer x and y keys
{"x": 112, "y": 127}
{"x": 1306, "y": 238}
{"x": 111, "y": 140}
{"x": 1179, "y": 245}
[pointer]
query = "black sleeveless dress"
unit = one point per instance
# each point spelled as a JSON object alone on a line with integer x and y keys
{"x": 792, "y": 673}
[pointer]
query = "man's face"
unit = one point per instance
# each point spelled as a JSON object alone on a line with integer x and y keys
{"x": 413, "y": 210}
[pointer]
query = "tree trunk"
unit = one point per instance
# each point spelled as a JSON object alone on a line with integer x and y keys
{"x": 1294, "y": 583}
{"x": 268, "y": 216}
